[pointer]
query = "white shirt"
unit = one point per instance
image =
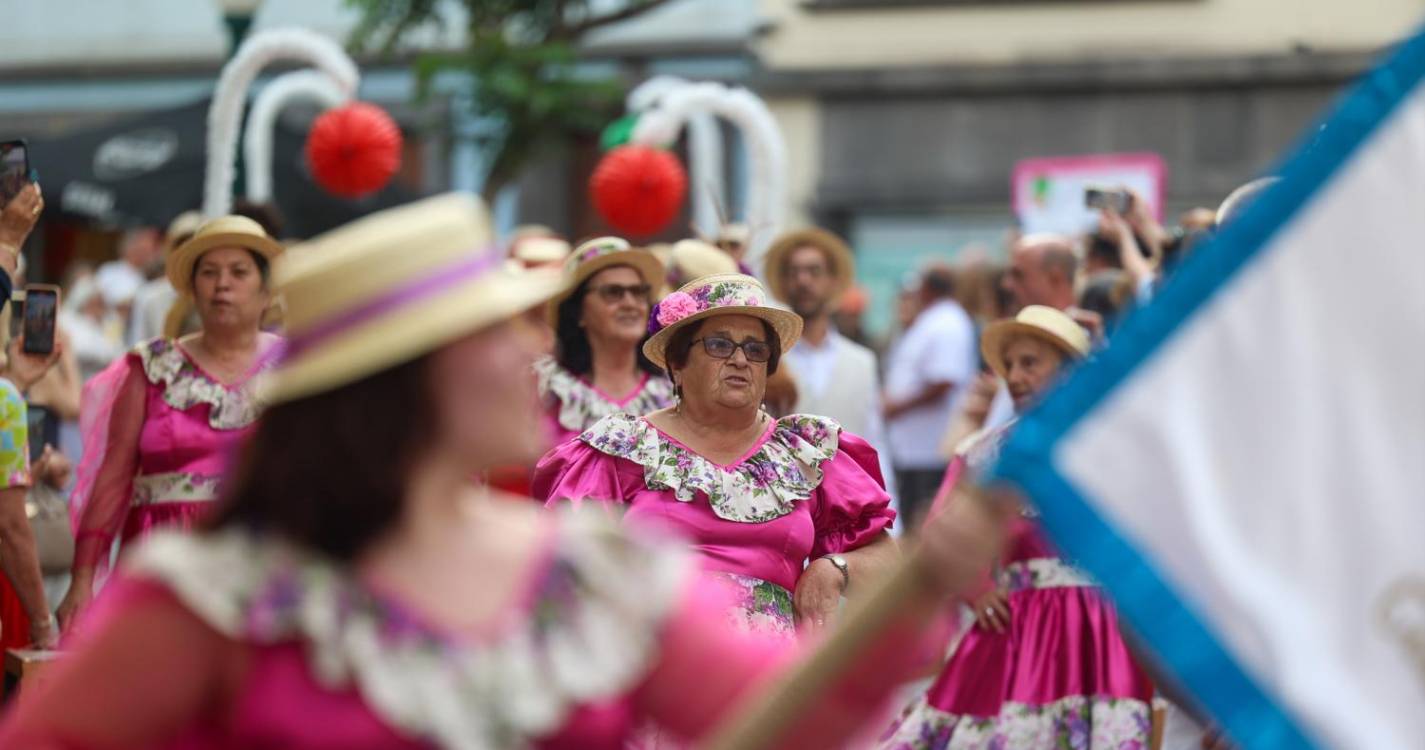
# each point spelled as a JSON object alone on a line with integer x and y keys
{"x": 813, "y": 367}
{"x": 939, "y": 347}
{"x": 150, "y": 310}
{"x": 118, "y": 282}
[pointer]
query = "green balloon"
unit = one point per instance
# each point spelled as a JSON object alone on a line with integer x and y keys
{"x": 618, "y": 132}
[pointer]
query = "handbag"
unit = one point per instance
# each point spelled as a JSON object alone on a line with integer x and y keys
{"x": 49, "y": 519}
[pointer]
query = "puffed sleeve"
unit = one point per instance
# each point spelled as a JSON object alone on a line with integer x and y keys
{"x": 852, "y": 508}
{"x": 575, "y": 472}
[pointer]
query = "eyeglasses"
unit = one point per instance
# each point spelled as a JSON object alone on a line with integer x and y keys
{"x": 612, "y": 293}
{"x": 718, "y": 347}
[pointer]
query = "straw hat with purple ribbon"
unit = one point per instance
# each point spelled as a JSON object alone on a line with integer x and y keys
{"x": 709, "y": 296}
{"x": 391, "y": 287}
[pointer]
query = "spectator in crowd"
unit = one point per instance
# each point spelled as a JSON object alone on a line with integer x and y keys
{"x": 90, "y": 325}
{"x": 1195, "y": 219}
{"x": 54, "y": 400}
{"x": 29, "y": 623}
{"x": 733, "y": 239}
{"x": 847, "y": 317}
{"x": 810, "y": 270}
{"x": 535, "y": 245}
{"x": 155, "y": 298}
{"x": 140, "y": 249}
{"x": 929, "y": 369}
{"x": 978, "y": 287}
{"x": 1042, "y": 270}
{"x": 687, "y": 260}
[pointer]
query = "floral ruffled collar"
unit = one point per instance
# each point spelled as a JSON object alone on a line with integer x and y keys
{"x": 588, "y": 632}
{"x": 185, "y": 385}
{"x": 784, "y": 469}
{"x": 581, "y": 405}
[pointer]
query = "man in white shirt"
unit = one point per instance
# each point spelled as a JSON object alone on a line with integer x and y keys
{"x": 156, "y": 297}
{"x": 930, "y": 369}
{"x": 139, "y": 252}
{"x": 810, "y": 270}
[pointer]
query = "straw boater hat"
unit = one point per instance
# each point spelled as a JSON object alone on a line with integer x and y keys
{"x": 1044, "y": 323}
{"x": 838, "y": 255}
{"x": 539, "y": 251}
{"x": 182, "y": 227}
{"x": 694, "y": 259}
{"x": 596, "y": 255}
{"x": 723, "y": 294}
{"x": 391, "y": 287}
{"x": 224, "y": 231}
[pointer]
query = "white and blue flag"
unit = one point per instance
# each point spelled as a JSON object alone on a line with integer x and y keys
{"x": 1244, "y": 467}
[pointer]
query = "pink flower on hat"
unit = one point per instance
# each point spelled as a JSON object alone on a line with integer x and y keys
{"x": 675, "y": 307}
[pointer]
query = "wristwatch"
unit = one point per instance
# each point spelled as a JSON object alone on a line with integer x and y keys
{"x": 840, "y": 563}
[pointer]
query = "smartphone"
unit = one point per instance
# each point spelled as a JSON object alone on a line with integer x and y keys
{"x": 41, "y": 309}
{"x": 1114, "y": 200}
{"x": 14, "y": 169}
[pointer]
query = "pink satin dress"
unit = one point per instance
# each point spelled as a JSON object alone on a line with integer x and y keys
{"x": 803, "y": 490}
{"x": 231, "y": 640}
{"x": 573, "y": 404}
{"x": 1060, "y": 676}
{"x": 190, "y": 425}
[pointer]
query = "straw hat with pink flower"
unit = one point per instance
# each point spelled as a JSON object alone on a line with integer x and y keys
{"x": 709, "y": 296}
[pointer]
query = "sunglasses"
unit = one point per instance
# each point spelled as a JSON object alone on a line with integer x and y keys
{"x": 718, "y": 347}
{"x": 612, "y": 293}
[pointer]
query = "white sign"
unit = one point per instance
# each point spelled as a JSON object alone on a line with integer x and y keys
{"x": 1048, "y": 193}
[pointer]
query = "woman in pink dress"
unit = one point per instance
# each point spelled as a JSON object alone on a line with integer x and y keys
{"x": 1044, "y": 667}
{"x": 159, "y": 422}
{"x": 355, "y": 590}
{"x": 599, "y": 321}
{"x": 759, "y": 498}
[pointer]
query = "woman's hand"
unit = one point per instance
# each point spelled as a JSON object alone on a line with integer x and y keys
{"x": 818, "y": 594}
{"x": 24, "y": 369}
{"x": 53, "y": 468}
{"x": 16, "y": 221}
{"x": 992, "y": 611}
{"x": 44, "y": 634}
{"x": 81, "y": 592}
{"x": 981, "y": 399}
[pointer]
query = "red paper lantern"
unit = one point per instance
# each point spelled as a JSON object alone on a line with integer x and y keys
{"x": 638, "y": 190}
{"x": 354, "y": 150}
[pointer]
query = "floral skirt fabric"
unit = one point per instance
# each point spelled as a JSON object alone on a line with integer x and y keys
{"x": 1059, "y": 677}
{"x": 1076, "y": 723}
{"x": 755, "y": 606}
{"x": 758, "y": 606}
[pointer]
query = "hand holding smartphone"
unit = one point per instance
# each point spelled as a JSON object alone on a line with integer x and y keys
{"x": 1117, "y": 201}
{"x": 14, "y": 169}
{"x": 39, "y": 315}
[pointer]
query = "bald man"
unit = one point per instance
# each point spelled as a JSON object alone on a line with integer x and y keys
{"x": 1041, "y": 272}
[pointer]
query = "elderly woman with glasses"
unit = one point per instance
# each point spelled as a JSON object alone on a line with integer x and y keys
{"x": 789, "y": 513}
{"x": 599, "y": 322}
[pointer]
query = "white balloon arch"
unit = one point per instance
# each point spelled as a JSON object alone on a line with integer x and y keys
{"x": 680, "y": 105}
{"x": 705, "y": 153}
{"x": 311, "y": 84}
{"x": 225, "y": 113}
